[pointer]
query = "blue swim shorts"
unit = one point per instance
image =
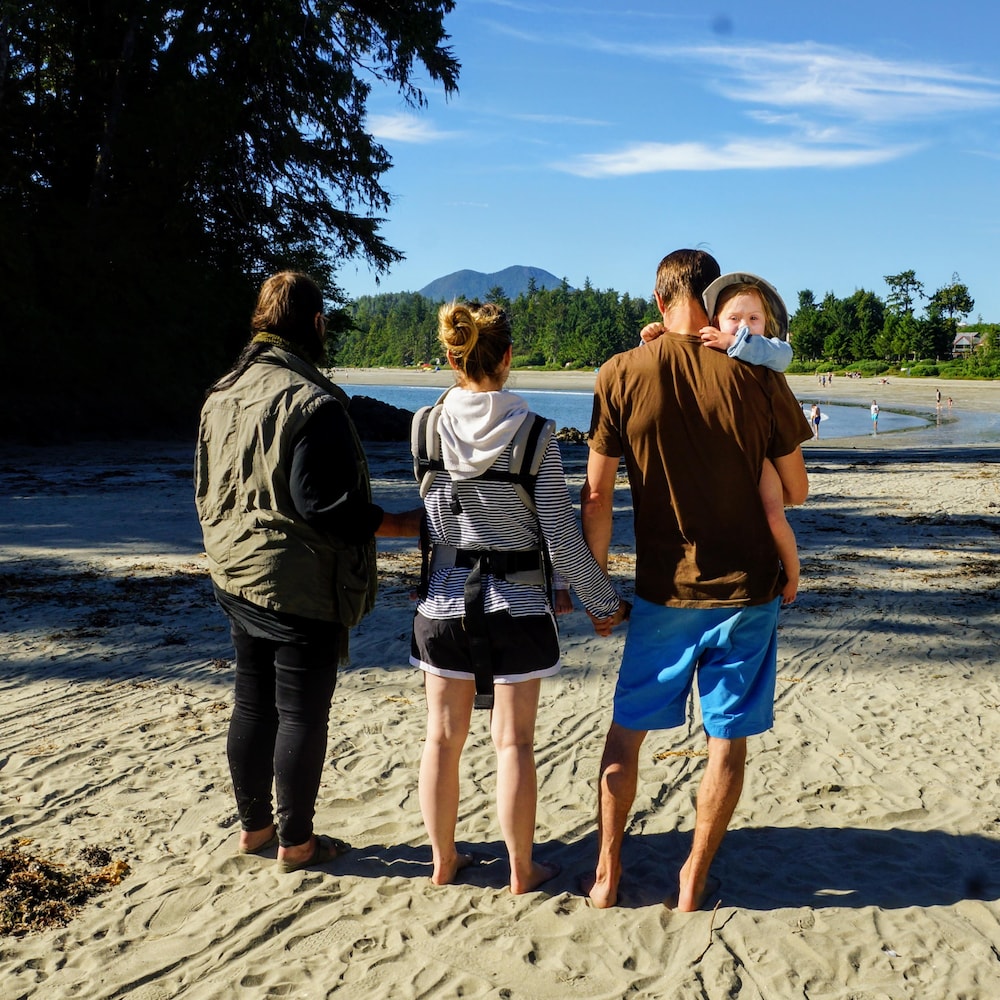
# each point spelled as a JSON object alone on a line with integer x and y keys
{"x": 734, "y": 652}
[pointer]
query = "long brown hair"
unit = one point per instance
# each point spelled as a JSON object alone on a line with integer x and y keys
{"x": 287, "y": 305}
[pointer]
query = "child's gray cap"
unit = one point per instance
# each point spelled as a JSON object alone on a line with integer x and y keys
{"x": 774, "y": 300}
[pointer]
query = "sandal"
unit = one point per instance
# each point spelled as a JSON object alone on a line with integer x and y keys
{"x": 268, "y": 844}
{"x": 325, "y": 849}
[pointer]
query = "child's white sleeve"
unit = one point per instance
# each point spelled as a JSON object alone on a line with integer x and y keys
{"x": 767, "y": 351}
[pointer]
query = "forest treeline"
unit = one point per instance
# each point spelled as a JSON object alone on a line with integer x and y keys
{"x": 581, "y": 328}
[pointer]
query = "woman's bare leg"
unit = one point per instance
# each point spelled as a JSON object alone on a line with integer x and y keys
{"x": 513, "y": 729}
{"x": 449, "y": 712}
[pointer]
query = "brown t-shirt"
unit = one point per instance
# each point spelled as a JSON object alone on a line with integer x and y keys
{"x": 695, "y": 427}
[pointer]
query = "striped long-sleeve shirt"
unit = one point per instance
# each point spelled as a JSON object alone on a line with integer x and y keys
{"x": 494, "y": 516}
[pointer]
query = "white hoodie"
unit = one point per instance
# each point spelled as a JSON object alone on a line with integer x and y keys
{"x": 475, "y": 428}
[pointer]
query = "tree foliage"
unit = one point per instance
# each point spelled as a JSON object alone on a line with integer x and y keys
{"x": 904, "y": 290}
{"x": 863, "y": 327}
{"x": 158, "y": 160}
{"x": 555, "y": 328}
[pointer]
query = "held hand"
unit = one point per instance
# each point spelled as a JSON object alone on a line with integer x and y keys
{"x": 604, "y": 626}
{"x": 710, "y": 337}
{"x": 651, "y": 331}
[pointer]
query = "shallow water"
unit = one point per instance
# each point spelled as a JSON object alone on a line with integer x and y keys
{"x": 572, "y": 409}
{"x": 855, "y": 421}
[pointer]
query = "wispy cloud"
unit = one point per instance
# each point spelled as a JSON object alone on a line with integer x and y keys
{"x": 556, "y": 119}
{"x": 810, "y": 131}
{"x": 405, "y": 128}
{"x": 575, "y": 11}
{"x": 655, "y": 157}
{"x": 851, "y": 83}
{"x": 828, "y": 102}
{"x": 827, "y": 78}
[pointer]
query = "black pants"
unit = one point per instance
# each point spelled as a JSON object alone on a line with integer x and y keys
{"x": 278, "y": 731}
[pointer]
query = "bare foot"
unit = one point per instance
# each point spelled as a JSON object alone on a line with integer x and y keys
{"x": 444, "y": 873}
{"x": 541, "y": 871}
{"x": 603, "y": 893}
{"x": 691, "y": 896}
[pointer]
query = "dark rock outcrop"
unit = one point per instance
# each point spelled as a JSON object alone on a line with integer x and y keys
{"x": 570, "y": 435}
{"x": 378, "y": 421}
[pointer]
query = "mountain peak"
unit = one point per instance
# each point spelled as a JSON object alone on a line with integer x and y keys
{"x": 475, "y": 284}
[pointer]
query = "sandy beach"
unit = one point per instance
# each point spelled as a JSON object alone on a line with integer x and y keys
{"x": 863, "y": 862}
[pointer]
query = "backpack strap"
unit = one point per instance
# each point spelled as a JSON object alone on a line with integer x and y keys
{"x": 527, "y": 450}
{"x": 425, "y": 444}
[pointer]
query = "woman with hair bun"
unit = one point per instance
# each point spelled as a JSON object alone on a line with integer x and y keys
{"x": 485, "y": 605}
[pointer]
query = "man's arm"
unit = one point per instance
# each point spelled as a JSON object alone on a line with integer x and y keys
{"x": 597, "y": 505}
{"x": 791, "y": 470}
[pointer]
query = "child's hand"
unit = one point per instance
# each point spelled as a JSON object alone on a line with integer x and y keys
{"x": 562, "y": 601}
{"x": 789, "y": 591}
{"x": 651, "y": 331}
{"x": 711, "y": 337}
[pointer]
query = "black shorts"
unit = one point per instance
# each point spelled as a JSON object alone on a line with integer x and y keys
{"x": 522, "y": 647}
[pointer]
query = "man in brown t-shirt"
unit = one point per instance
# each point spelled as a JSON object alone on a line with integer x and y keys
{"x": 694, "y": 427}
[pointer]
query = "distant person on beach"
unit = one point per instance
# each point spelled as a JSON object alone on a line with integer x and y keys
{"x": 484, "y": 630}
{"x": 749, "y": 321}
{"x": 815, "y": 416}
{"x": 284, "y": 500}
{"x": 874, "y": 412}
{"x": 694, "y": 430}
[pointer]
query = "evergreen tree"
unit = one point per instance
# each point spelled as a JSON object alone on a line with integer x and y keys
{"x": 953, "y": 300}
{"x": 158, "y": 161}
{"x": 837, "y": 320}
{"x": 869, "y": 317}
{"x": 904, "y": 290}
{"x": 804, "y": 330}
{"x": 946, "y": 306}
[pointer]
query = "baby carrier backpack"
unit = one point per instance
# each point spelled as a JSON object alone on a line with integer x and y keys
{"x": 525, "y": 566}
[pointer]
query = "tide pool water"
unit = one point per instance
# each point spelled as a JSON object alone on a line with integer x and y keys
{"x": 572, "y": 409}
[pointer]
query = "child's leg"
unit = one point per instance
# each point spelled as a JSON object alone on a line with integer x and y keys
{"x": 772, "y": 497}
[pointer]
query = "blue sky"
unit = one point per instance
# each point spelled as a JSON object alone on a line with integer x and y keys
{"x": 821, "y": 146}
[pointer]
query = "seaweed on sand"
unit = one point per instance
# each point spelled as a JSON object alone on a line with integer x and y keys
{"x": 40, "y": 893}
